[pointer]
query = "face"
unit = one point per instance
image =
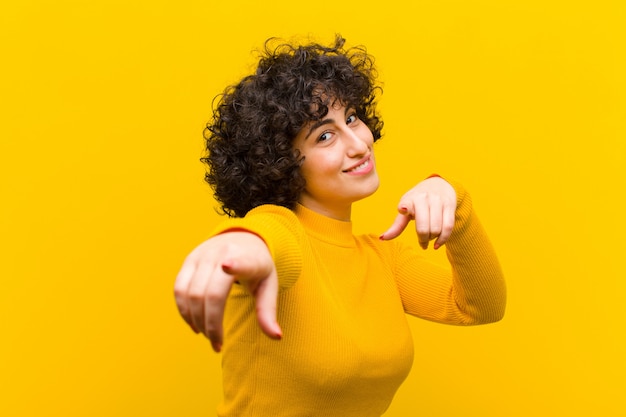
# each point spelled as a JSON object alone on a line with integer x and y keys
{"x": 338, "y": 166}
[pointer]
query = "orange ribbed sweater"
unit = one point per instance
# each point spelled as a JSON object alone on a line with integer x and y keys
{"x": 342, "y": 306}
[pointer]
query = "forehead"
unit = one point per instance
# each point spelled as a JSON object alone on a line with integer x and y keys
{"x": 337, "y": 108}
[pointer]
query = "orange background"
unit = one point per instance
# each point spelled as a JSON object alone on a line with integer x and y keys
{"x": 102, "y": 109}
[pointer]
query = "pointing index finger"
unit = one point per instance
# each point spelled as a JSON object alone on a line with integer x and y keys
{"x": 266, "y": 297}
{"x": 398, "y": 226}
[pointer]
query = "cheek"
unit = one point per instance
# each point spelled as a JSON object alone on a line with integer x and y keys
{"x": 317, "y": 165}
{"x": 367, "y": 135}
{"x": 310, "y": 171}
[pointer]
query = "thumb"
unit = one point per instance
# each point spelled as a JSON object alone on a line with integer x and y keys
{"x": 245, "y": 267}
{"x": 398, "y": 226}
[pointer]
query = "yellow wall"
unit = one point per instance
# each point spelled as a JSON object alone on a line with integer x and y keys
{"x": 102, "y": 108}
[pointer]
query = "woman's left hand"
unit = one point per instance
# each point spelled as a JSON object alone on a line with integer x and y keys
{"x": 432, "y": 204}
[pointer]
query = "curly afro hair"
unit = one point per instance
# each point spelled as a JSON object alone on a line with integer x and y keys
{"x": 249, "y": 142}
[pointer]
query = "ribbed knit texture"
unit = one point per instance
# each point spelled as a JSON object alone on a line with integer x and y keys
{"x": 346, "y": 345}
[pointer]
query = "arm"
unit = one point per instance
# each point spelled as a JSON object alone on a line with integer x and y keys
{"x": 260, "y": 252}
{"x": 473, "y": 291}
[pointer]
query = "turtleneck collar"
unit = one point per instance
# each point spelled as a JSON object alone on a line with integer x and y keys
{"x": 324, "y": 228}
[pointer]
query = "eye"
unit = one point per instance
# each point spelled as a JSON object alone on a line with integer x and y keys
{"x": 324, "y": 137}
{"x": 352, "y": 119}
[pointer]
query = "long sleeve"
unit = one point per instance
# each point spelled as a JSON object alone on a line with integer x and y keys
{"x": 281, "y": 231}
{"x": 331, "y": 360}
{"x": 340, "y": 293}
{"x": 471, "y": 292}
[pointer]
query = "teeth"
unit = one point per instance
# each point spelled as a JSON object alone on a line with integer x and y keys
{"x": 363, "y": 165}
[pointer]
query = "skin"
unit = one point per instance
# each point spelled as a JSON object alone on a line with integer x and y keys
{"x": 339, "y": 168}
{"x": 339, "y": 165}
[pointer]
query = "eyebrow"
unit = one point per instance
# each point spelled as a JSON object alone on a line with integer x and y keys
{"x": 320, "y": 123}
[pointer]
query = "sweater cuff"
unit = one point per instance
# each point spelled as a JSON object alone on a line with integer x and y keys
{"x": 280, "y": 230}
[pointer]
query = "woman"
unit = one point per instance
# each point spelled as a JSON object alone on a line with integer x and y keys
{"x": 315, "y": 323}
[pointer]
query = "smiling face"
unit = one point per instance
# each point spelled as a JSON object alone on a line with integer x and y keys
{"x": 339, "y": 166}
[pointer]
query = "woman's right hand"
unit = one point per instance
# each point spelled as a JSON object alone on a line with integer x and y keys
{"x": 208, "y": 273}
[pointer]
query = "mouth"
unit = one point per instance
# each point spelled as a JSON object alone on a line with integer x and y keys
{"x": 363, "y": 166}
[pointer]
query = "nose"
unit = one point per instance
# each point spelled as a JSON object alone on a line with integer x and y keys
{"x": 356, "y": 145}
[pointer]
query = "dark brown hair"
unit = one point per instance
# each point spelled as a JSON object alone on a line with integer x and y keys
{"x": 249, "y": 142}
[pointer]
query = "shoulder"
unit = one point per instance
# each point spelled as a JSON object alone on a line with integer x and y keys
{"x": 271, "y": 222}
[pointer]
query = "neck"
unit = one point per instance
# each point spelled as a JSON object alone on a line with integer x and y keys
{"x": 339, "y": 212}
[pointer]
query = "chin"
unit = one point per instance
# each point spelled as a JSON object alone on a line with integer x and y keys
{"x": 371, "y": 189}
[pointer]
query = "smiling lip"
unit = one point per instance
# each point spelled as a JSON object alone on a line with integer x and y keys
{"x": 364, "y": 166}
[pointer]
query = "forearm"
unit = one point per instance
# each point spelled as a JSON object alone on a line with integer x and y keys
{"x": 478, "y": 286}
